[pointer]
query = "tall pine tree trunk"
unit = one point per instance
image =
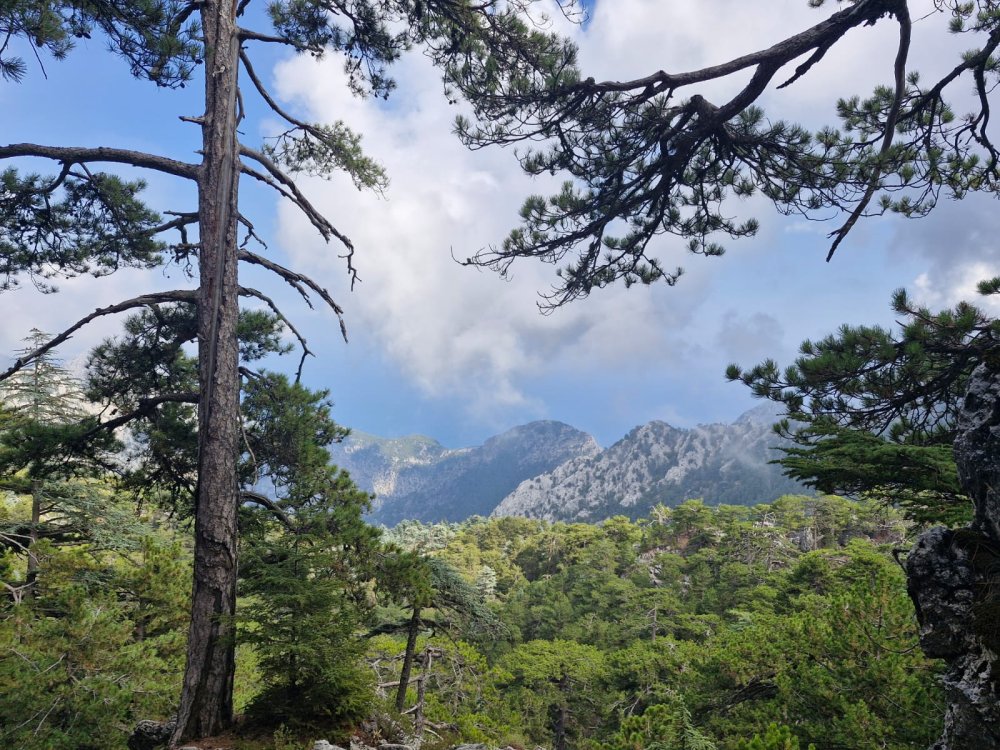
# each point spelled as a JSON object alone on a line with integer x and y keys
{"x": 560, "y": 719}
{"x": 206, "y": 705}
{"x": 952, "y": 578}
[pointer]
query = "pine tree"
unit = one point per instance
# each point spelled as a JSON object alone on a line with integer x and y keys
{"x": 912, "y": 415}
{"x": 83, "y": 221}
{"x": 306, "y": 556}
{"x": 874, "y": 411}
{"x": 44, "y": 409}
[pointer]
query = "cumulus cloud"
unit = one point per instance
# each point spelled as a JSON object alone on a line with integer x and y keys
{"x": 453, "y": 329}
{"x": 955, "y": 247}
{"x": 462, "y": 333}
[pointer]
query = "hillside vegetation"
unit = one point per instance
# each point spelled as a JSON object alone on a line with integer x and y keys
{"x": 766, "y": 627}
{"x": 699, "y": 621}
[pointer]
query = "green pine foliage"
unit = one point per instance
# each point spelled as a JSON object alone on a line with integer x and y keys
{"x": 99, "y": 646}
{"x": 665, "y": 726}
{"x": 776, "y": 626}
{"x": 771, "y": 627}
{"x": 306, "y": 559}
{"x": 776, "y": 737}
{"x": 873, "y": 410}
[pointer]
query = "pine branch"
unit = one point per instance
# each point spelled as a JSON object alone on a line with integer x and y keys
{"x": 256, "y": 36}
{"x": 306, "y": 351}
{"x": 287, "y": 187}
{"x": 299, "y": 282}
{"x": 81, "y": 155}
{"x": 145, "y": 300}
{"x": 820, "y": 36}
{"x": 903, "y": 17}
{"x": 146, "y": 406}
{"x": 266, "y": 502}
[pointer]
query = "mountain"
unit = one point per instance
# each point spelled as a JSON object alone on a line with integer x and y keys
{"x": 417, "y": 478}
{"x": 657, "y": 463}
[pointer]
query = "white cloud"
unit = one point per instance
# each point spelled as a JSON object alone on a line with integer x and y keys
{"x": 465, "y": 334}
{"x": 959, "y": 286}
{"x": 455, "y": 330}
{"x": 26, "y": 309}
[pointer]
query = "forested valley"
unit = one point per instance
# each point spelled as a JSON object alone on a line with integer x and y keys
{"x": 183, "y": 566}
{"x": 765, "y": 627}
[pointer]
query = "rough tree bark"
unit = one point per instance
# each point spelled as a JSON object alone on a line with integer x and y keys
{"x": 953, "y": 581}
{"x": 206, "y": 700}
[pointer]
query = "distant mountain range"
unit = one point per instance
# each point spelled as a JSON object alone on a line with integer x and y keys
{"x": 553, "y": 471}
{"x": 417, "y": 478}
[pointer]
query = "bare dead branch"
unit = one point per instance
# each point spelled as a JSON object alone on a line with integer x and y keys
{"x": 290, "y": 190}
{"x": 81, "y": 155}
{"x": 306, "y": 351}
{"x": 266, "y": 96}
{"x": 251, "y": 233}
{"x": 299, "y": 282}
{"x": 902, "y": 15}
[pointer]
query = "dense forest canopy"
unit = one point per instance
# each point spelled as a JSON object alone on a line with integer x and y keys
{"x": 732, "y": 624}
{"x": 771, "y": 626}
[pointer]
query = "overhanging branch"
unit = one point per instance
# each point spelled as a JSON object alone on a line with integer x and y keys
{"x": 903, "y": 17}
{"x": 144, "y": 300}
{"x": 820, "y": 36}
{"x": 80, "y": 155}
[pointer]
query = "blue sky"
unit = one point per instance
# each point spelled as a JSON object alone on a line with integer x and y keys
{"x": 460, "y": 354}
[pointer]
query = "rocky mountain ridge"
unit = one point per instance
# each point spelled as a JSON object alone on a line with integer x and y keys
{"x": 658, "y": 463}
{"x": 553, "y": 471}
{"x": 417, "y": 478}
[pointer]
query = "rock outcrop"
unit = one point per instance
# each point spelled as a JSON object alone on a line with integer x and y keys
{"x": 953, "y": 577}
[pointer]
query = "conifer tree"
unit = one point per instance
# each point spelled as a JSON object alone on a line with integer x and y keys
{"x": 872, "y": 410}
{"x": 912, "y": 415}
{"x": 431, "y": 582}
{"x": 306, "y": 555}
{"x": 44, "y": 411}
{"x": 85, "y": 221}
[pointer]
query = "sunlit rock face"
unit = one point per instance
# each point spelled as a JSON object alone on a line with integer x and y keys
{"x": 657, "y": 463}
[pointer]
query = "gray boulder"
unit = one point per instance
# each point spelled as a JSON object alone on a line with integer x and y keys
{"x": 149, "y": 735}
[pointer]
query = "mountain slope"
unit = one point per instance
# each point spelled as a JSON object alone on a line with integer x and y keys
{"x": 417, "y": 478}
{"x": 656, "y": 463}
